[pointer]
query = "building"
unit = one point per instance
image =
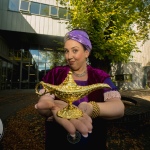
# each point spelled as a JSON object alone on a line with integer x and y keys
{"x": 31, "y": 33}
{"x": 136, "y": 73}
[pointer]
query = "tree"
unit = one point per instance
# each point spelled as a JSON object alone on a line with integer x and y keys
{"x": 114, "y": 27}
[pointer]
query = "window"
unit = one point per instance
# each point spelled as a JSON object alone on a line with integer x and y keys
{"x": 123, "y": 77}
{"x": 62, "y": 13}
{"x": 31, "y": 7}
{"x": 13, "y": 5}
{"x": 24, "y": 5}
{"x": 68, "y": 15}
{"x": 54, "y": 11}
{"x": 34, "y": 8}
{"x": 44, "y": 10}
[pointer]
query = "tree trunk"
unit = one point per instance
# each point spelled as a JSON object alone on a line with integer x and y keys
{"x": 101, "y": 64}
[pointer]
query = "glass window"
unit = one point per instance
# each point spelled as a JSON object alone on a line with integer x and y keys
{"x": 44, "y": 10}
{"x": 48, "y": 65}
{"x": 62, "y": 13}
{"x": 54, "y": 11}
{"x": 68, "y": 15}
{"x": 35, "y": 55}
{"x": 42, "y": 56}
{"x": 41, "y": 66}
{"x": 24, "y": 5}
{"x": 14, "y": 5}
{"x": 34, "y": 8}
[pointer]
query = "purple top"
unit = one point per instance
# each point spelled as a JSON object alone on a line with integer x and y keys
{"x": 84, "y": 83}
{"x": 57, "y": 75}
{"x": 84, "y": 99}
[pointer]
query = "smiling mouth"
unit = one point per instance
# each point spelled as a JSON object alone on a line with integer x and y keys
{"x": 71, "y": 63}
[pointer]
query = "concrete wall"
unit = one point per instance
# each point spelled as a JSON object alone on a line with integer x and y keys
{"x": 22, "y": 22}
{"x": 133, "y": 68}
{"x": 142, "y": 57}
{"x": 138, "y": 67}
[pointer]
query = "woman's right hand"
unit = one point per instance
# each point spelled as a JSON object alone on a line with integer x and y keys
{"x": 46, "y": 104}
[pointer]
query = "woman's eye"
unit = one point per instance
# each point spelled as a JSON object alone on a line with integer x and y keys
{"x": 74, "y": 51}
{"x": 65, "y": 51}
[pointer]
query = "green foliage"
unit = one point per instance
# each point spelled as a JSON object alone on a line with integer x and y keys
{"x": 114, "y": 26}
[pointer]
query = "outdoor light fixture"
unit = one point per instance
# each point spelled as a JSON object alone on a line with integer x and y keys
{"x": 22, "y": 50}
{"x": 48, "y": 49}
{"x": 29, "y": 65}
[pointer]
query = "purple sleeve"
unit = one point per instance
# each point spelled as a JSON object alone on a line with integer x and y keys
{"x": 111, "y": 84}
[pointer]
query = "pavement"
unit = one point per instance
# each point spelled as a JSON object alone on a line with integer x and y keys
{"x": 137, "y": 112}
{"x": 141, "y": 93}
{"x": 137, "y": 104}
{"x": 12, "y": 101}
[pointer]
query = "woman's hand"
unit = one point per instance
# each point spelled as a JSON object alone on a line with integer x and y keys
{"x": 82, "y": 124}
{"x": 86, "y": 108}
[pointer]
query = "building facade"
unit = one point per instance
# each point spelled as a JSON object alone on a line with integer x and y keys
{"x": 136, "y": 73}
{"x": 31, "y": 33}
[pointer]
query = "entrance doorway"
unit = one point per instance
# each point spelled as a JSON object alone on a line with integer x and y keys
{"x": 26, "y": 68}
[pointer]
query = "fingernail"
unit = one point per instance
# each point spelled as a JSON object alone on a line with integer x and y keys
{"x": 73, "y": 135}
{"x": 35, "y": 106}
{"x": 85, "y": 135}
{"x": 90, "y": 131}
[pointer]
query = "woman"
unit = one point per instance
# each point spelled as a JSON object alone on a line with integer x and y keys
{"x": 88, "y": 131}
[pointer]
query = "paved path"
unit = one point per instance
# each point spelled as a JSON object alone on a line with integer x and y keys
{"x": 143, "y": 93}
{"x": 12, "y": 101}
{"x": 127, "y": 135}
{"x": 137, "y": 104}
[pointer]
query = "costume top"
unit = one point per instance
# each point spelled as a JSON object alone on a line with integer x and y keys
{"x": 57, "y": 75}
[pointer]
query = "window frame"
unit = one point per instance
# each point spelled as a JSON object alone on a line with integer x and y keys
{"x": 61, "y": 8}
{"x": 57, "y": 9}
{"x": 19, "y": 7}
{"x": 48, "y": 10}
{"x": 34, "y": 13}
{"x": 24, "y": 10}
{"x": 16, "y": 5}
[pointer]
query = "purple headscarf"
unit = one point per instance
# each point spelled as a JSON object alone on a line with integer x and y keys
{"x": 79, "y": 36}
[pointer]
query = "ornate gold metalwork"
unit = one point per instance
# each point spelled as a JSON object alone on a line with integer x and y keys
{"x": 69, "y": 92}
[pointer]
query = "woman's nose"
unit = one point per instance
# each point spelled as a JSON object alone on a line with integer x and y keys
{"x": 69, "y": 55}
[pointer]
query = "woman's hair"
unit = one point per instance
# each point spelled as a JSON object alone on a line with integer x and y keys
{"x": 80, "y": 36}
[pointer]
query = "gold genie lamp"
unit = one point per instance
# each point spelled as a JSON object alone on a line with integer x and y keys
{"x": 69, "y": 92}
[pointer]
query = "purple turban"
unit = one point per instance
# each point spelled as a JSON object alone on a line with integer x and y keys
{"x": 79, "y": 36}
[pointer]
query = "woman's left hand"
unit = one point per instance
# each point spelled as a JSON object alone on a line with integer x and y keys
{"x": 82, "y": 124}
{"x": 86, "y": 108}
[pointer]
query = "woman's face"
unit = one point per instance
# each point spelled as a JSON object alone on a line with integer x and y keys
{"x": 75, "y": 54}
